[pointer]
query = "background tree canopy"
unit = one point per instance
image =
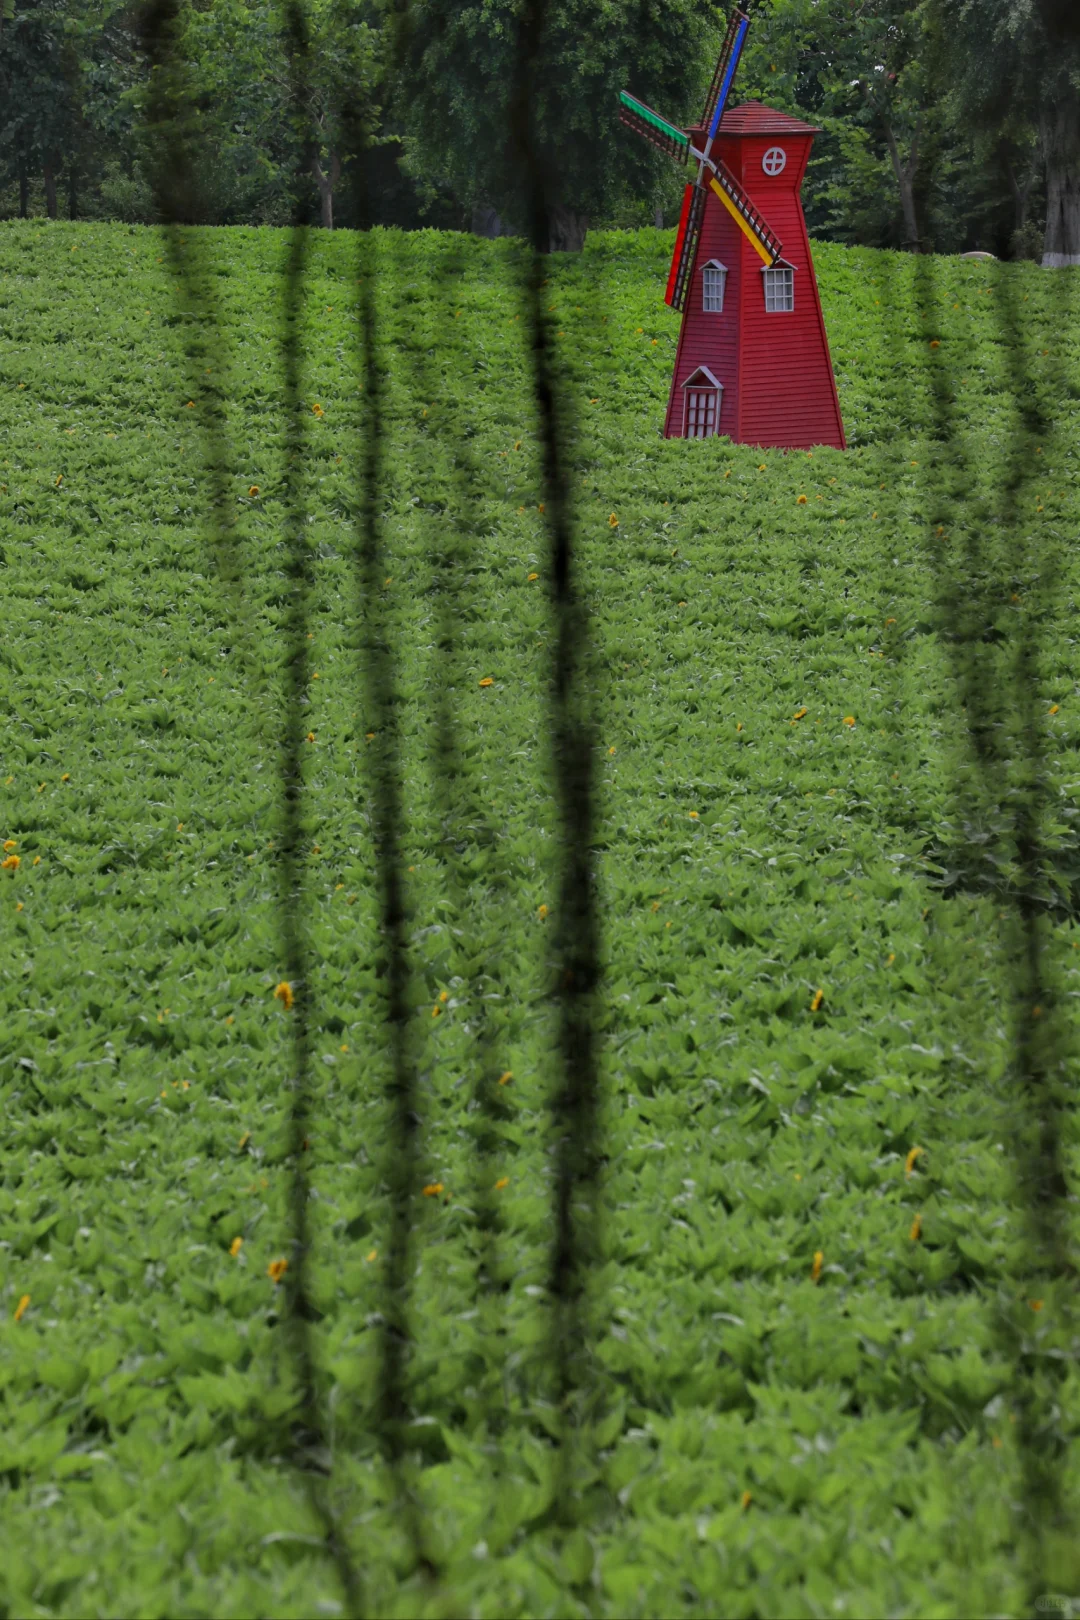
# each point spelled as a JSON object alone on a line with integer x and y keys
{"x": 946, "y": 124}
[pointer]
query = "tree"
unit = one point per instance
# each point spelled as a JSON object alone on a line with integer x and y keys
{"x": 458, "y": 65}
{"x": 38, "y": 90}
{"x": 864, "y": 70}
{"x": 1017, "y": 65}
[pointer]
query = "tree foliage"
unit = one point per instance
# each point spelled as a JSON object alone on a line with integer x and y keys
{"x": 946, "y": 124}
{"x": 458, "y": 66}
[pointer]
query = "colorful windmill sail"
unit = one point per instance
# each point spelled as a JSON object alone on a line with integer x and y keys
{"x": 686, "y": 241}
{"x": 728, "y": 61}
{"x": 643, "y": 121}
{"x": 667, "y": 137}
{"x": 764, "y": 241}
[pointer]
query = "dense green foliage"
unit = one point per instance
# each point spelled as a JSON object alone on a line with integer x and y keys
{"x": 461, "y": 71}
{"x": 939, "y": 117}
{"x": 778, "y": 735}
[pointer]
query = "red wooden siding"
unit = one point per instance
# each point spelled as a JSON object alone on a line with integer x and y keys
{"x": 776, "y": 370}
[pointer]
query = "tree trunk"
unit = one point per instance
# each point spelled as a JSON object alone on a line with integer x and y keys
{"x": 50, "y": 185}
{"x": 24, "y": 188}
{"x": 567, "y": 230}
{"x": 73, "y": 189}
{"x": 1060, "y": 133}
{"x": 905, "y": 180}
{"x": 326, "y": 184}
{"x": 486, "y": 221}
{"x": 658, "y": 218}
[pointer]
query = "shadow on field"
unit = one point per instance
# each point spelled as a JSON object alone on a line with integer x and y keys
{"x": 1001, "y": 585}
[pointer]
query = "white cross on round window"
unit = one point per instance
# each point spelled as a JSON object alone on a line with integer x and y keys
{"x": 774, "y": 160}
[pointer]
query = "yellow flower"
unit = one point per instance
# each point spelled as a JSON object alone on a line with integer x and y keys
{"x": 746, "y": 1500}
{"x": 311, "y": 736}
{"x": 372, "y": 1254}
{"x": 762, "y": 467}
{"x": 20, "y": 1309}
{"x": 276, "y": 1270}
{"x": 436, "y": 1010}
{"x": 1052, "y": 710}
{"x": 613, "y": 522}
{"x": 444, "y": 996}
{"x": 935, "y": 343}
{"x": 909, "y": 1163}
{"x": 798, "y": 714}
{"x": 487, "y": 681}
{"x": 849, "y": 719}
{"x": 531, "y": 577}
{"x": 433, "y": 1189}
{"x": 694, "y": 816}
{"x": 19, "y": 906}
{"x": 739, "y": 726}
{"x": 540, "y": 508}
{"x": 503, "y": 1181}
{"x": 254, "y": 490}
{"x": 541, "y": 912}
{"x": 1035, "y": 1304}
{"x": 235, "y": 1246}
{"x": 284, "y": 994}
{"x": 317, "y": 410}
{"x": 818, "y": 998}
{"x": 801, "y": 501}
{"x": 9, "y": 844}
{"x": 815, "y": 1269}
{"x": 245, "y": 1139}
{"x": 916, "y": 1229}
{"x": 190, "y": 406}
{"x": 506, "y": 1077}
{"x": 11, "y": 864}
{"x": 517, "y": 446}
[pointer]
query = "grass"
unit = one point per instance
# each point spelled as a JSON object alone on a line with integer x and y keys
{"x": 802, "y": 1398}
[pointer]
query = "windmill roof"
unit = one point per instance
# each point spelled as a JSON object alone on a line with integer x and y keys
{"x": 754, "y": 118}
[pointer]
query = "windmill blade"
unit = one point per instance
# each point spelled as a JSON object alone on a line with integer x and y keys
{"x": 764, "y": 241}
{"x": 686, "y": 243}
{"x": 643, "y": 121}
{"x": 727, "y": 62}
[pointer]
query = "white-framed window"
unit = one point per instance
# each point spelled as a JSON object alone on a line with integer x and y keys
{"x": 779, "y": 289}
{"x": 713, "y": 282}
{"x": 701, "y": 404}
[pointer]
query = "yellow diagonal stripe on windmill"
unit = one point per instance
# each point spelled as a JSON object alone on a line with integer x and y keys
{"x": 741, "y": 221}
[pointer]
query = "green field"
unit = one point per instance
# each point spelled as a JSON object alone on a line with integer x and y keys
{"x": 781, "y": 754}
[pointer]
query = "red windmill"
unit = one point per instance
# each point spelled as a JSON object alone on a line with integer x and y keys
{"x": 753, "y": 357}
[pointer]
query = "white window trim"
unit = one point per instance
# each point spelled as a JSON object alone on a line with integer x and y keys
{"x": 702, "y": 381}
{"x": 781, "y": 264}
{"x": 714, "y": 264}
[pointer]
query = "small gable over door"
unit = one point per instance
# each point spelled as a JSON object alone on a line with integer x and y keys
{"x": 701, "y": 404}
